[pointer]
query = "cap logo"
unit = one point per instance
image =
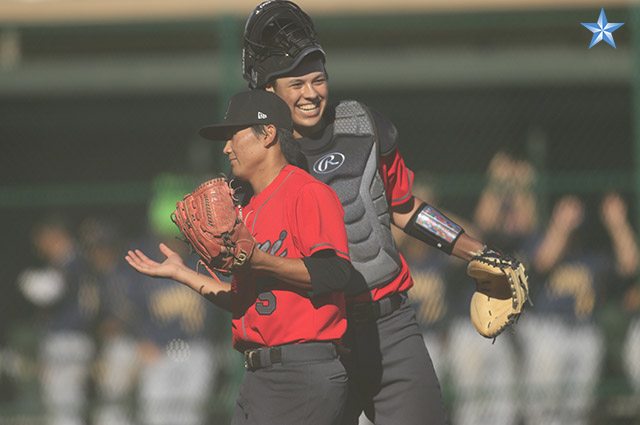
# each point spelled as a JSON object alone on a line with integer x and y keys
{"x": 262, "y": 115}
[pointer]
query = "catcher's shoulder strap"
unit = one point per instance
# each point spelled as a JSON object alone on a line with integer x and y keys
{"x": 386, "y": 131}
{"x": 350, "y": 167}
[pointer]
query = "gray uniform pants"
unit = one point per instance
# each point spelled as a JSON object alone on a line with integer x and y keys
{"x": 308, "y": 385}
{"x": 391, "y": 376}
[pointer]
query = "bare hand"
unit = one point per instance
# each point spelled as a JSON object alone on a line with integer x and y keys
{"x": 500, "y": 167}
{"x": 613, "y": 210}
{"x": 569, "y": 213}
{"x": 145, "y": 265}
{"x": 523, "y": 174}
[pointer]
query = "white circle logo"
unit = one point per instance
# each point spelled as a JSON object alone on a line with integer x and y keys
{"x": 328, "y": 163}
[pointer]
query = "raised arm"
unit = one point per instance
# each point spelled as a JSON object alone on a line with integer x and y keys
{"x": 567, "y": 216}
{"x": 614, "y": 216}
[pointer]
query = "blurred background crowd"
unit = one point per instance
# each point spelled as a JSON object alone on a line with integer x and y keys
{"x": 513, "y": 126}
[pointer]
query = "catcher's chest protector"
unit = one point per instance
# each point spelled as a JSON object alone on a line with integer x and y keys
{"x": 350, "y": 167}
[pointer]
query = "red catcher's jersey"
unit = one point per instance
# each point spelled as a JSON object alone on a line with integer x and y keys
{"x": 294, "y": 217}
{"x": 398, "y": 185}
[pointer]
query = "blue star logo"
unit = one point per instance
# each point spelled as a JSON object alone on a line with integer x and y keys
{"x": 602, "y": 30}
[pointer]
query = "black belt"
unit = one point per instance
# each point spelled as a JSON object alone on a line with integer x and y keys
{"x": 292, "y": 353}
{"x": 371, "y": 311}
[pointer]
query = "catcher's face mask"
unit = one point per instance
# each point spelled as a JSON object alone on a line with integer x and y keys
{"x": 278, "y": 35}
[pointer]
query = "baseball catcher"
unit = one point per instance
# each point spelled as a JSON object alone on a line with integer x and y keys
{"x": 501, "y": 292}
{"x": 355, "y": 150}
{"x": 212, "y": 224}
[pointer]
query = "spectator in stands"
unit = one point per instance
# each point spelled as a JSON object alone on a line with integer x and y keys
{"x": 562, "y": 347}
{"x": 627, "y": 259}
{"x": 117, "y": 361}
{"x": 68, "y": 300}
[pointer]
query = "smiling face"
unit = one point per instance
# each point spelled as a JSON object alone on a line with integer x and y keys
{"x": 307, "y": 97}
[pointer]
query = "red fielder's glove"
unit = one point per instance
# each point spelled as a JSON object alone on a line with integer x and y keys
{"x": 211, "y": 222}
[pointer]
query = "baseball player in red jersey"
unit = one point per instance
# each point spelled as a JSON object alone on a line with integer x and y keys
{"x": 287, "y": 307}
{"x": 354, "y": 149}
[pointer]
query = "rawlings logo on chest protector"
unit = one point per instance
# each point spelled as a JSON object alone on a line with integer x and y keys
{"x": 328, "y": 163}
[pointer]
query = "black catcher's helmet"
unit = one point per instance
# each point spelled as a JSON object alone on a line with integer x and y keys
{"x": 277, "y": 36}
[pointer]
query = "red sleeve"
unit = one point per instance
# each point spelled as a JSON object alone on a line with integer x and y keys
{"x": 397, "y": 178}
{"x": 319, "y": 221}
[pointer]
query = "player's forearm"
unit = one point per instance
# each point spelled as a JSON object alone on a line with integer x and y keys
{"x": 425, "y": 223}
{"x": 467, "y": 247}
{"x": 551, "y": 249}
{"x": 625, "y": 248}
{"x": 488, "y": 210}
{"x": 219, "y": 293}
{"x": 289, "y": 270}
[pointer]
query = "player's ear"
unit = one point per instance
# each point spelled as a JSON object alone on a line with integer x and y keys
{"x": 269, "y": 135}
{"x": 271, "y": 87}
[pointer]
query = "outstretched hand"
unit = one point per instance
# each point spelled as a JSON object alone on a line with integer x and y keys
{"x": 145, "y": 265}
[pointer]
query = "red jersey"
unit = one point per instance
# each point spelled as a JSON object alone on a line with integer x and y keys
{"x": 294, "y": 217}
{"x": 398, "y": 185}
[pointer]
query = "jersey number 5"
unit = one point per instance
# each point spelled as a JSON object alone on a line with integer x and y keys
{"x": 266, "y": 303}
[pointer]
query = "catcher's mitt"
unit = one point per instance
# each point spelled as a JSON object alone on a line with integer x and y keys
{"x": 213, "y": 226}
{"x": 501, "y": 291}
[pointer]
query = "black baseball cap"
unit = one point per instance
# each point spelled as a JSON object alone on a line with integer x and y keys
{"x": 250, "y": 108}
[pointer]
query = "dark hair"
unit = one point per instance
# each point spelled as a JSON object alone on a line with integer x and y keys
{"x": 274, "y": 81}
{"x": 259, "y": 130}
{"x": 291, "y": 150}
{"x": 53, "y": 220}
{"x": 288, "y": 145}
